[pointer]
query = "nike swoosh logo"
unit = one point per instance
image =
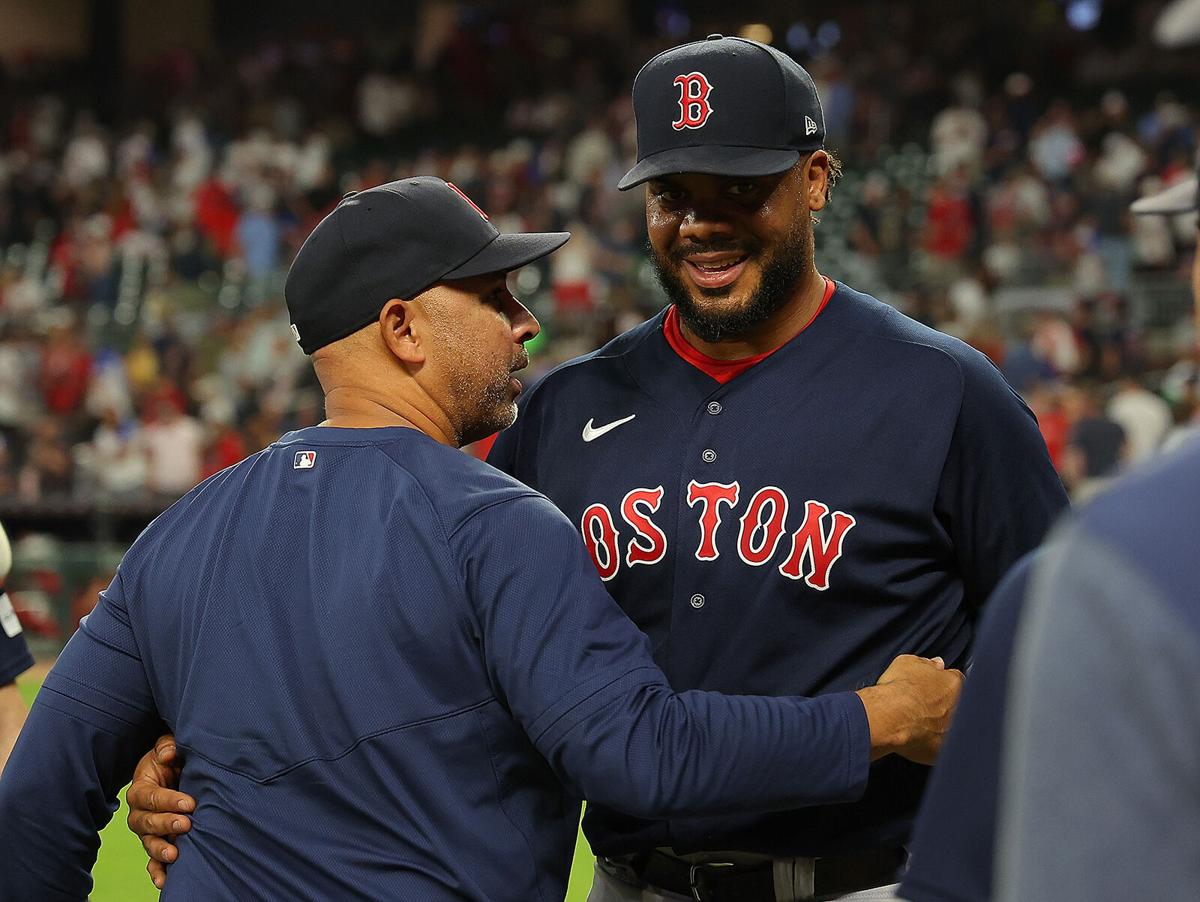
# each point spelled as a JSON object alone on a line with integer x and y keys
{"x": 591, "y": 433}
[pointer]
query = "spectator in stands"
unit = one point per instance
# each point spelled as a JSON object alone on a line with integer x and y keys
{"x": 1144, "y": 416}
{"x": 47, "y": 470}
{"x": 174, "y": 446}
{"x": 65, "y": 370}
{"x": 116, "y": 457}
{"x": 1097, "y": 448}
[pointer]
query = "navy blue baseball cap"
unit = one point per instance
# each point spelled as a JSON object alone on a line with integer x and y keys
{"x": 395, "y": 241}
{"x": 723, "y": 106}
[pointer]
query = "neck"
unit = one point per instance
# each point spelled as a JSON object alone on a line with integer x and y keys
{"x": 347, "y": 408}
{"x": 779, "y": 328}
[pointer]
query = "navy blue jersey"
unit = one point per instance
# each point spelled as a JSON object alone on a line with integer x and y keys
{"x": 854, "y": 496}
{"x": 15, "y": 658}
{"x": 955, "y": 834}
{"x": 392, "y": 671}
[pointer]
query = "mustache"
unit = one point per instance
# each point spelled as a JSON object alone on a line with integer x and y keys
{"x": 521, "y": 361}
{"x": 685, "y": 250}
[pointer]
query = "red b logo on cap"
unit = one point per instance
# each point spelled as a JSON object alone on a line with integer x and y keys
{"x": 694, "y": 108}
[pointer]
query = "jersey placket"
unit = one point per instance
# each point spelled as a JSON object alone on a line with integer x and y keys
{"x": 706, "y": 501}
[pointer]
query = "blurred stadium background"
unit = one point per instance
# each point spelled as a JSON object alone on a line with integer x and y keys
{"x": 160, "y": 164}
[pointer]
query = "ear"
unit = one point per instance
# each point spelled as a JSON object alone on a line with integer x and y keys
{"x": 816, "y": 180}
{"x": 401, "y": 334}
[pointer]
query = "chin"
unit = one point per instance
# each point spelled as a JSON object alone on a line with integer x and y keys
{"x": 498, "y": 420}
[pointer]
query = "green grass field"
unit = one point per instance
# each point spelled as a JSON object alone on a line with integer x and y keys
{"x": 120, "y": 871}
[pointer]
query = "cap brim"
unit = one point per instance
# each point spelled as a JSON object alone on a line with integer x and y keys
{"x": 508, "y": 252}
{"x": 711, "y": 159}
{"x": 1179, "y": 198}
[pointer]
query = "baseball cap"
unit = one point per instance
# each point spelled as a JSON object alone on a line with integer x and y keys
{"x": 395, "y": 241}
{"x": 723, "y": 106}
{"x": 1182, "y": 197}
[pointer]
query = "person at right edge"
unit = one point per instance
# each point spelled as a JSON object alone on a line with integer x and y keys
{"x": 1103, "y": 725}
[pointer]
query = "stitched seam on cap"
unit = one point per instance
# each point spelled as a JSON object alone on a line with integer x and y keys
{"x": 356, "y": 277}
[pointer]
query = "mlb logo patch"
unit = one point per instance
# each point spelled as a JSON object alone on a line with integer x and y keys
{"x": 305, "y": 460}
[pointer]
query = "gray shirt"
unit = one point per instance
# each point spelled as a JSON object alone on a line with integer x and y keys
{"x": 1101, "y": 783}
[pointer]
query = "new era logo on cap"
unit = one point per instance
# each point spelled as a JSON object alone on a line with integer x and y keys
{"x": 305, "y": 460}
{"x": 810, "y": 127}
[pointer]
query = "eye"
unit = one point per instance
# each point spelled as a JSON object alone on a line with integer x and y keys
{"x": 666, "y": 194}
{"x": 741, "y": 189}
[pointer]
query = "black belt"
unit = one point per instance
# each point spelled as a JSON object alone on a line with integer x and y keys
{"x": 722, "y": 882}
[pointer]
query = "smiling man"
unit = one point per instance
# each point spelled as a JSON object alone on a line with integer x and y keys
{"x": 783, "y": 481}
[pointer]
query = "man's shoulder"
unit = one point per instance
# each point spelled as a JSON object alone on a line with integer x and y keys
{"x": 393, "y": 462}
{"x": 601, "y": 365}
{"x": 1154, "y": 503}
{"x": 1151, "y": 517}
{"x": 899, "y": 334}
{"x": 457, "y": 485}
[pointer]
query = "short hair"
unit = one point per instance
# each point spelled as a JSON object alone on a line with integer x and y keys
{"x": 835, "y": 173}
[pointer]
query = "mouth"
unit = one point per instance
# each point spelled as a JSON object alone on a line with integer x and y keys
{"x": 513, "y": 382}
{"x": 714, "y": 270}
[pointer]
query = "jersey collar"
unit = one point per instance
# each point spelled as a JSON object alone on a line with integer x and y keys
{"x": 725, "y": 370}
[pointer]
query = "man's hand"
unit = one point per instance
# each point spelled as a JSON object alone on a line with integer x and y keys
{"x": 909, "y": 709}
{"x": 157, "y": 813}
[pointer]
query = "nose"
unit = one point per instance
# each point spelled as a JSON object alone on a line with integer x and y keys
{"x": 524, "y": 324}
{"x": 704, "y": 221}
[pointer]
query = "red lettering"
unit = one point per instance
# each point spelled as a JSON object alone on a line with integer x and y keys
{"x": 694, "y": 108}
{"x": 772, "y": 529}
{"x": 600, "y": 535}
{"x": 810, "y": 543}
{"x": 652, "y": 550}
{"x": 710, "y": 496}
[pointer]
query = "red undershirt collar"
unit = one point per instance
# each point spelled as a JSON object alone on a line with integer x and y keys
{"x": 725, "y": 370}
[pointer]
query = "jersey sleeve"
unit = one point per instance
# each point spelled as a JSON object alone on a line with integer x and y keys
{"x": 999, "y": 493}
{"x": 578, "y": 676}
{"x": 954, "y": 834}
{"x": 1101, "y": 777}
{"x": 92, "y": 720}
{"x": 15, "y": 658}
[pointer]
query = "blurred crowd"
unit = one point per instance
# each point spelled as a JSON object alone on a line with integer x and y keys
{"x": 143, "y": 344}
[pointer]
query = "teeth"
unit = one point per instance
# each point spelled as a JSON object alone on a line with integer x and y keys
{"x": 718, "y": 267}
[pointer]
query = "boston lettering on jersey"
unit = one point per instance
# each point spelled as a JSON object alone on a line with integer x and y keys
{"x": 812, "y": 548}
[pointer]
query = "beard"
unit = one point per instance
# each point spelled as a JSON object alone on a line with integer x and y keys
{"x": 781, "y": 274}
{"x": 483, "y": 398}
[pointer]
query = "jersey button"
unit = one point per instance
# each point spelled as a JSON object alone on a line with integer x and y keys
{"x": 708, "y": 455}
{"x": 714, "y": 407}
{"x": 697, "y": 600}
